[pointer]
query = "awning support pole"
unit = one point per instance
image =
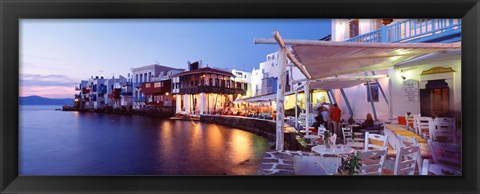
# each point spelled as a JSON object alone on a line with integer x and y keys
{"x": 370, "y": 97}
{"x": 281, "y": 83}
{"x": 347, "y": 102}
{"x": 306, "y": 89}
{"x": 332, "y": 96}
{"x": 329, "y": 97}
{"x": 381, "y": 89}
{"x": 296, "y": 108}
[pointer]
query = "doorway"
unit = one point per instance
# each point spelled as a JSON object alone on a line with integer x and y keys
{"x": 435, "y": 99}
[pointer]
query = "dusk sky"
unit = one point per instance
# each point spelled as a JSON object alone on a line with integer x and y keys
{"x": 56, "y": 54}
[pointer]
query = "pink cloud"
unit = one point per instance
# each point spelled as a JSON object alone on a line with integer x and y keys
{"x": 48, "y": 91}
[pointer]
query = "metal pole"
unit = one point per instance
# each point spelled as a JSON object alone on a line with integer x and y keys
{"x": 332, "y": 96}
{"x": 307, "y": 107}
{"x": 281, "y": 83}
{"x": 371, "y": 98}
{"x": 296, "y": 108}
{"x": 381, "y": 89}
{"x": 347, "y": 102}
{"x": 329, "y": 97}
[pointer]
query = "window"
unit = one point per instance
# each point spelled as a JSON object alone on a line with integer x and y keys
{"x": 136, "y": 78}
{"x": 272, "y": 64}
{"x": 149, "y": 76}
{"x": 147, "y": 85}
{"x": 157, "y": 85}
{"x": 374, "y": 89}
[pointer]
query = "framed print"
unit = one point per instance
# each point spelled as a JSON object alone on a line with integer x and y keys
{"x": 224, "y": 96}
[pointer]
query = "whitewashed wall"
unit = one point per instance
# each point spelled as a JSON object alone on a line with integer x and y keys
{"x": 357, "y": 96}
{"x": 400, "y": 107}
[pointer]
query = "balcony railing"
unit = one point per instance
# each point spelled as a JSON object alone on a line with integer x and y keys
{"x": 139, "y": 99}
{"x": 125, "y": 93}
{"x": 211, "y": 89}
{"x": 434, "y": 30}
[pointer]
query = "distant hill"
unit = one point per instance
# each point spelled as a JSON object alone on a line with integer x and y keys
{"x": 38, "y": 100}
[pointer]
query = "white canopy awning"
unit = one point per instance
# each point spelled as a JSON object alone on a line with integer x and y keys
{"x": 322, "y": 59}
{"x": 430, "y": 58}
{"x": 262, "y": 98}
{"x": 344, "y": 82}
{"x": 332, "y": 60}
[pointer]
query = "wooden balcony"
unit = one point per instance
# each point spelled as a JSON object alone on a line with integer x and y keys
{"x": 211, "y": 89}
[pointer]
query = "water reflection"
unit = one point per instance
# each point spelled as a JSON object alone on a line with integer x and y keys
{"x": 70, "y": 143}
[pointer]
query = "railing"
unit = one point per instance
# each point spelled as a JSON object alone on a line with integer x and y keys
{"x": 125, "y": 93}
{"x": 138, "y": 85}
{"x": 414, "y": 31}
{"x": 211, "y": 89}
{"x": 139, "y": 99}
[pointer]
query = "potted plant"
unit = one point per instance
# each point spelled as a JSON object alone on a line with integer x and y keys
{"x": 350, "y": 164}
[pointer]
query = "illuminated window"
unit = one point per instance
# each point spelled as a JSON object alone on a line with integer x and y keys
{"x": 147, "y": 85}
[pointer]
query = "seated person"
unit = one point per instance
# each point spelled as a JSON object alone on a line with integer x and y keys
{"x": 368, "y": 122}
{"x": 318, "y": 121}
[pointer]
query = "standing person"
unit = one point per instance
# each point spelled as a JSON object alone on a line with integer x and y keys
{"x": 326, "y": 117}
{"x": 336, "y": 115}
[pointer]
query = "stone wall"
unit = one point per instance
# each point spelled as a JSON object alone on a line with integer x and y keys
{"x": 262, "y": 127}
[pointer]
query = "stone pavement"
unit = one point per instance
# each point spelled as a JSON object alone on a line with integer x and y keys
{"x": 280, "y": 162}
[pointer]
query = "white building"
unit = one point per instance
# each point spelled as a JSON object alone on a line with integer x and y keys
{"x": 263, "y": 79}
{"x": 443, "y": 71}
{"x": 97, "y": 92}
{"x": 146, "y": 74}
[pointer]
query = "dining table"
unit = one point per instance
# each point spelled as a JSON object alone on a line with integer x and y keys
{"x": 337, "y": 150}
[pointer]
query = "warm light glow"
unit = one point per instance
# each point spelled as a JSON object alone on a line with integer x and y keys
{"x": 167, "y": 93}
{"x": 76, "y": 100}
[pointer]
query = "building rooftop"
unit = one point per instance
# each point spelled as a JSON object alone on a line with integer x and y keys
{"x": 161, "y": 67}
{"x": 205, "y": 70}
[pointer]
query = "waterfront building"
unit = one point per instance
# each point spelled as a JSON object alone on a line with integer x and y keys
{"x": 158, "y": 92}
{"x": 97, "y": 97}
{"x": 205, "y": 90}
{"x": 437, "y": 76}
{"x": 112, "y": 95}
{"x": 82, "y": 98}
{"x": 125, "y": 88}
{"x": 146, "y": 74}
{"x": 244, "y": 78}
{"x": 264, "y": 85}
{"x": 264, "y": 79}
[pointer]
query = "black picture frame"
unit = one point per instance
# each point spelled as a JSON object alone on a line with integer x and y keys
{"x": 13, "y": 10}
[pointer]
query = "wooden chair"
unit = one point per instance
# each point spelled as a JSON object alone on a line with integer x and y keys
{"x": 406, "y": 160}
{"x": 438, "y": 169}
{"x": 347, "y": 135}
{"x": 446, "y": 154}
{"x": 444, "y": 131}
{"x": 425, "y": 126}
{"x": 410, "y": 141}
{"x": 375, "y": 141}
{"x": 372, "y": 162}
